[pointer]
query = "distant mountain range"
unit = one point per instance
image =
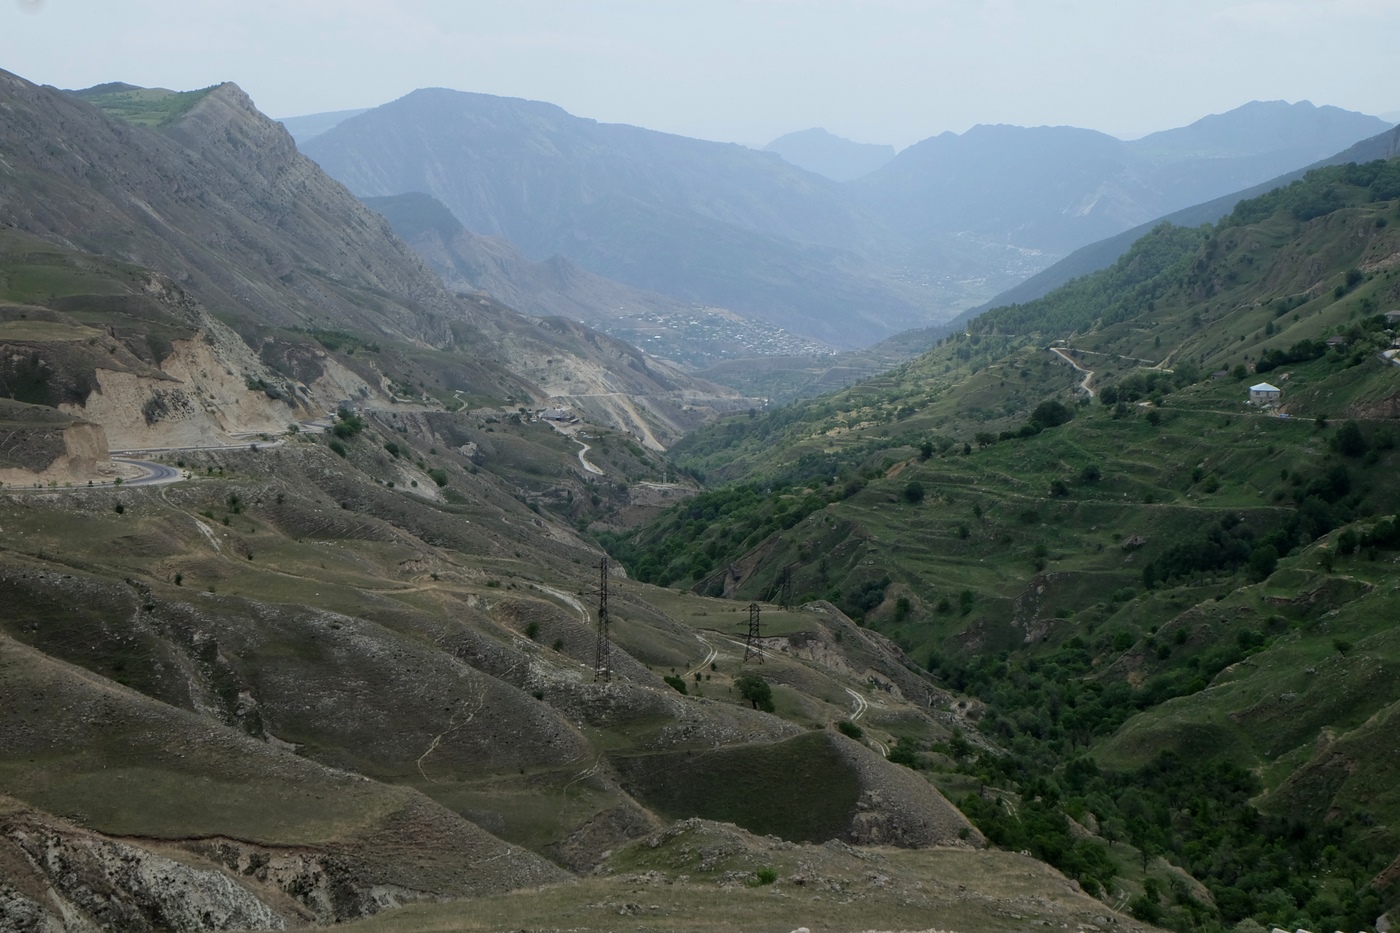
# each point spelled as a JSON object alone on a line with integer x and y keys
{"x": 830, "y": 155}
{"x": 469, "y": 262}
{"x": 943, "y": 225}
{"x": 1095, "y": 256}
{"x": 707, "y": 223}
{"x": 1058, "y": 188}
{"x": 314, "y": 124}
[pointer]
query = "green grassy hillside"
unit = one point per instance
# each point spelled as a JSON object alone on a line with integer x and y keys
{"x": 1171, "y": 606}
{"x": 144, "y": 106}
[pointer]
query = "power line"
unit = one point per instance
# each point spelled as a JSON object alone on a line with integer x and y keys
{"x": 602, "y": 664}
{"x": 751, "y": 642}
{"x": 785, "y": 588}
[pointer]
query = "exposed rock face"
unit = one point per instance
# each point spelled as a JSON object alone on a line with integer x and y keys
{"x": 74, "y": 880}
{"x": 20, "y": 914}
{"x": 204, "y": 403}
{"x": 122, "y": 887}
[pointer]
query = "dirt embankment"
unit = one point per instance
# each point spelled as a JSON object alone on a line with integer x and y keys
{"x": 40, "y": 445}
{"x": 205, "y": 403}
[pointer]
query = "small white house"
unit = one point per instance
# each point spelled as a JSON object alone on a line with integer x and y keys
{"x": 1264, "y": 394}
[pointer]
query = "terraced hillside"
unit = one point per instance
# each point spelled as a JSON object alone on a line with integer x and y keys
{"x": 1171, "y": 607}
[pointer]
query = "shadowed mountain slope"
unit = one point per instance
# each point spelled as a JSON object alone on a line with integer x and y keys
{"x": 221, "y": 202}
{"x": 469, "y": 262}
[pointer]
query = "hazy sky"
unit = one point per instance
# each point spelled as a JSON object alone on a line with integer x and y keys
{"x": 739, "y": 70}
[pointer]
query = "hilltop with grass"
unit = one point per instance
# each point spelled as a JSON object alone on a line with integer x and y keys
{"x": 1167, "y": 607}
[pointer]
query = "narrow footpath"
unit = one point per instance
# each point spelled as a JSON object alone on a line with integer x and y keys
{"x": 1088, "y": 373}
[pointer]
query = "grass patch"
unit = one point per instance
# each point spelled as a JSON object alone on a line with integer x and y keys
{"x": 751, "y": 786}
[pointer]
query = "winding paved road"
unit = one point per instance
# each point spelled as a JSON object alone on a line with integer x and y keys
{"x": 156, "y": 474}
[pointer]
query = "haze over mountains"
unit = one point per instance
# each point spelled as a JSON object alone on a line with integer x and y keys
{"x": 945, "y": 224}
{"x": 830, "y": 155}
{"x": 1098, "y": 255}
{"x": 691, "y": 334}
{"x": 1055, "y": 189}
{"x": 703, "y": 222}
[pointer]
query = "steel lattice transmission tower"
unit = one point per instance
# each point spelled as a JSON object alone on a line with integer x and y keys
{"x": 602, "y": 664}
{"x": 785, "y": 588}
{"x": 751, "y": 645}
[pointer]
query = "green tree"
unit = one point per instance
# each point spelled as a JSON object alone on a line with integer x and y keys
{"x": 905, "y": 752}
{"x": 1350, "y": 441}
{"x": 1263, "y": 561}
{"x": 1051, "y": 414}
{"x": 755, "y": 689}
{"x": 348, "y": 424}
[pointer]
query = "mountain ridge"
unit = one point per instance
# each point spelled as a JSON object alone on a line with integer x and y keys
{"x": 222, "y": 204}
